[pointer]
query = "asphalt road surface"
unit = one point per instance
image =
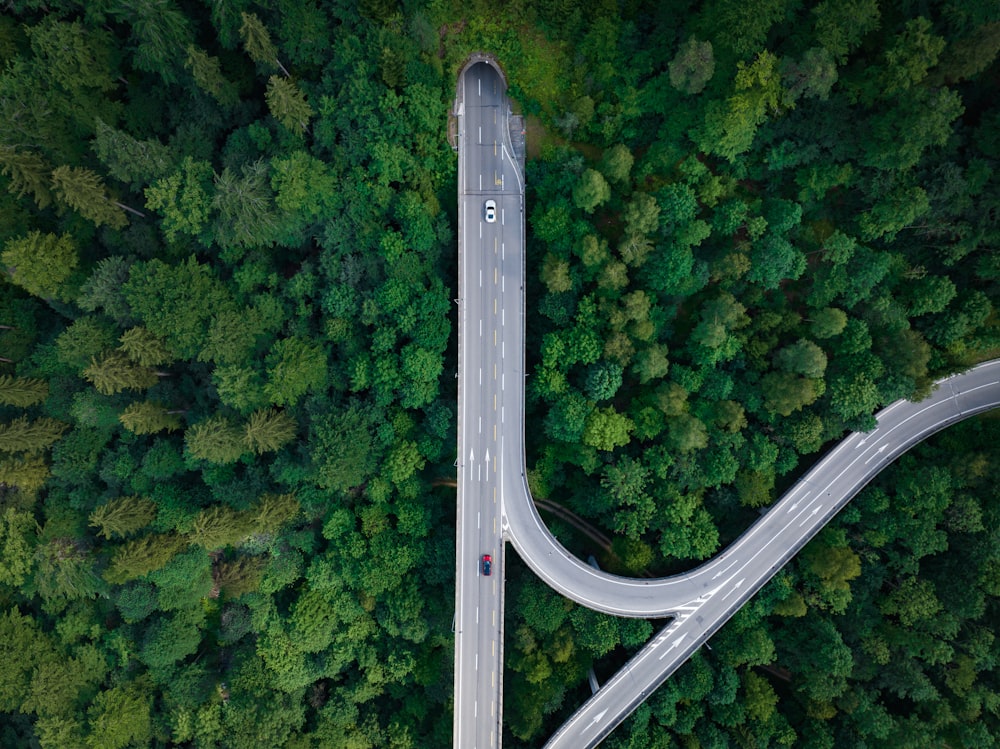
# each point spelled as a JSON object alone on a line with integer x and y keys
{"x": 702, "y": 600}
{"x": 494, "y": 502}
{"x": 490, "y": 391}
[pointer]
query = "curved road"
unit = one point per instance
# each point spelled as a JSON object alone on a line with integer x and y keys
{"x": 494, "y": 502}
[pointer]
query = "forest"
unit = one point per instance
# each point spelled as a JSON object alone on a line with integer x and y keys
{"x": 228, "y": 357}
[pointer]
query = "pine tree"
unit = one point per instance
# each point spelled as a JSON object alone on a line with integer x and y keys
{"x": 216, "y": 440}
{"x": 27, "y": 474}
{"x": 28, "y": 174}
{"x": 147, "y": 417}
{"x": 208, "y": 76}
{"x": 144, "y": 347}
{"x": 84, "y": 192}
{"x": 257, "y": 41}
{"x": 122, "y": 516}
{"x": 22, "y": 391}
{"x": 115, "y": 373}
{"x": 273, "y": 511}
{"x": 30, "y": 437}
{"x": 269, "y": 430}
{"x": 142, "y": 556}
{"x": 129, "y": 159}
{"x": 220, "y": 526}
{"x": 41, "y": 263}
{"x": 288, "y": 104}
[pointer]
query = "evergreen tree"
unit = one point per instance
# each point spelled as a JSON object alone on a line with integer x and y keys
{"x": 268, "y": 430}
{"x": 32, "y": 437}
{"x": 208, "y": 76}
{"x": 221, "y": 526}
{"x": 216, "y": 440}
{"x": 27, "y": 474}
{"x": 22, "y": 391}
{"x": 122, "y": 516}
{"x": 28, "y": 174}
{"x": 144, "y": 347}
{"x": 103, "y": 290}
{"x": 115, "y": 372}
{"x": 273, "y": 511}
{"x": 84, "y": 192}
{"x": 142, "y": 556}
{"x": 257, "y": 41}
{"x": 41, "y": 263}
{"x": 128, "y": 159}
{"x": 288, "y": 104}
{"x": 147, "y": 417}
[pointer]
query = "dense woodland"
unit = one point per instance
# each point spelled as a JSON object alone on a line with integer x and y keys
{"x": 227, "y": 358}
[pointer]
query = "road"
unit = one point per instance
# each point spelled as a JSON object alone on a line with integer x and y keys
{"x": 703, "y": 600}
{"x": 494, "y": 502}
{"x": 490, "y": 393}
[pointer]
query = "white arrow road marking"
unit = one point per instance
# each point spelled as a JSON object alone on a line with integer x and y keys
{"x": 811, "y": 515}
{"x": 723, "y": 572}
{"x": 675, "y": 644}
{"x": 866, "y": 437}
{"x": 736, "y": 587}
{"x": 597, "y": 719}
{"x": 797, "y": 503}
{"x": 877, "y": 453}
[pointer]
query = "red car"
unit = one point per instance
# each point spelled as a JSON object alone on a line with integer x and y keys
{"x": 487, "y": 565}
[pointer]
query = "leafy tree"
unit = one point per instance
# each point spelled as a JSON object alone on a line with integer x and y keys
{"x": 811, "y": 77}
{"x": 828, "y": 322}
{"x": 288, "y": 104}
{"x": 216, "y": 440}
{"x": 183, "y": 198}
{"x": 268, "y": 430}
{"x": 840, "y": 26}
{"x": 41, "y": 264}
{"x": 294, "y": 366}
{"x": 616, "y": 163}
{"x": 591, "y": 191}
{"x": 802, "y": 357}
{"x": 114, "y": 373}
{"x": 122, "y": 516}
{"x": 84, "y": 192}
{"x": 32, "y": 437}
{"x": 785, "y": 392}
{"x": 603, "y": 380}
{"x": 607, "y": 429}
{"x": 18, "y": 534}
{"x": 177, "y": 302}
{"x": 22, "y": 391}
{"x": 693, "y": 66}
{"x": 120, "y": 717}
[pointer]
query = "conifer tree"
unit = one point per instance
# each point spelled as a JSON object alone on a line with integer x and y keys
{"x": 28, "y": 173}
{"x": 27, "y": 474}
{"x": 84, "y": 192}
{"x": 22, "y": 391}
{"x": 257, "y": 41}
{"x": 273, "y": 511}
{"x": 208, "y": 76}
{"x": 142, "y": 556}
{"x": 148, "y": 417}
{"x": 144, "y": 347}
{"x": 41, "y": 263}
{"x": 22, "y": 435}
{"x": 122, "y": 516}
{"x": 129, "y": 159}
{"x": 220, "y": 526}
{"x": 288, "y": 104}
{"x": 114, "y": 373}
{"x": 269, "y": 430}
{"x": 216, "y": 440}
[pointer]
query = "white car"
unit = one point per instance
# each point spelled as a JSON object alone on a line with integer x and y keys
{"x": 491, "y": 211}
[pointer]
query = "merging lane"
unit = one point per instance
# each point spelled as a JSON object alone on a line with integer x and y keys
{"x": 490, "y": 381}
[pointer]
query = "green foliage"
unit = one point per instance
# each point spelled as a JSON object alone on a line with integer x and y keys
{"x": 122, "y": 516}
{"x": 591, "y": 191}
{"x": 182, "y": 198}
{"x": 85, "y": 192}
{"x": 22, "y": 391}
{"x": 114, "y": 372}
{"x": 288, "y": 104}
{"x": 149, "y": 417}
{"x": 294, "y": 366}
{"x": 693, "y": 66}
{"x": 31, "y": 437}
{"x": 142, "y": 556}
{"x": 41, "y": 264}
{"x": 144, "y": 348}
{"x": 216, "y": 440}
